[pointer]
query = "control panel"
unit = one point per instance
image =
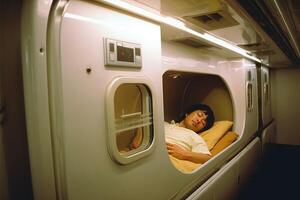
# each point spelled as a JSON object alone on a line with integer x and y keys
{"x": 122, "y": 54}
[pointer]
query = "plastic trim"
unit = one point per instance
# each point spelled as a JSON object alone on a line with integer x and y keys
{"x": 111, "y": 139}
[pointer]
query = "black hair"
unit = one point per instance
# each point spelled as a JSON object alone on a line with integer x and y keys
{"x": 210, "y": 114}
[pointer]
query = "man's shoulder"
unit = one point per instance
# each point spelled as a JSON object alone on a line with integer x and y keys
{"x": 176, "y": 127}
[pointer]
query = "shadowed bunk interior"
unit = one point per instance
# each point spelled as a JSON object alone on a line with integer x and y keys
{"x": 183, "y": 89}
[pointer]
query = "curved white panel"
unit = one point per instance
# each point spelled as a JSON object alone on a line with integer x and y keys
{"x": 265, "y": 95}
{"x": 77, "y": 84}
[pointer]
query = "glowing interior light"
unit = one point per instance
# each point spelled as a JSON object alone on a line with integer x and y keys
{"x": 129, "y": 7}
{"x": 180, "y": 25}
{"x": 173, "y": 22}
{"x": 81, "y": 18}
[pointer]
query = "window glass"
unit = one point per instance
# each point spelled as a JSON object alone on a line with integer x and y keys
{"x": 133, "y": 121}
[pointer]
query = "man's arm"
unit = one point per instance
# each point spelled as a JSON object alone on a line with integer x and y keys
{"x": 182, "y": 154}
{"x": 137, "y": 140}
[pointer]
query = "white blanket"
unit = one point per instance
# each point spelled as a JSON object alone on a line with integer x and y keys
{"x": 185, "y": 138}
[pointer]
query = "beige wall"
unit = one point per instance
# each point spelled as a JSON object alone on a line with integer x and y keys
{"x": 190, "y": 89}
{"x": 211, "y": 90}
{"x": 285, "y": 90}
{"x": 14, "y": 159}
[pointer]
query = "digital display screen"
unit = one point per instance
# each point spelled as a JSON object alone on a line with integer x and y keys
{"x": 125, "y": 54}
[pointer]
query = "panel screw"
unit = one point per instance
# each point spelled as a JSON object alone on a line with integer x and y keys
{"x": 41, "y": 50}
{"x": 88, "y": 69}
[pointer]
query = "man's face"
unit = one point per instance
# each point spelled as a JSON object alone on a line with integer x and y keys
{"x": 196, "y": 120}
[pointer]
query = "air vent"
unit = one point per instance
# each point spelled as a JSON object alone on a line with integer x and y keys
{"x": 192, "y": 42}
{"x": 259, "y": 49}
{"x": 255, "y": 46}
{"x": 213, "y": 21}
{"x": 208, "y": 18}
{"x": 264, "y": 53}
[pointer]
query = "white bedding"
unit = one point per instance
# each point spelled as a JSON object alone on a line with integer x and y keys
{"x": 185, "y": 138}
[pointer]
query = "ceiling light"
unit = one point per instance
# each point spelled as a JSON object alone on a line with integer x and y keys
{"x": 180, "y": 25}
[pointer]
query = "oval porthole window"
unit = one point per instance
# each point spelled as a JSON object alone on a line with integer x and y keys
{"x": 130, "y": 117}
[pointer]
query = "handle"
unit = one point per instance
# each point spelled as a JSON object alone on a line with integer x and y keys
{"x": 266, "y": 92}
{"x": 249, "y": 90}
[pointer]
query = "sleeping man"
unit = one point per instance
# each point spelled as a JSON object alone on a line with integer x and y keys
{"x": 182, "y": 139}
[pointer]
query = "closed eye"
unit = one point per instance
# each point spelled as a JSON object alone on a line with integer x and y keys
{"x": 203, "y": 122}
{"x": 202, "y": 114}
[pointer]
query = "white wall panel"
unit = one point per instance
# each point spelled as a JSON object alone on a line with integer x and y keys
{"x": 231, "y": 177}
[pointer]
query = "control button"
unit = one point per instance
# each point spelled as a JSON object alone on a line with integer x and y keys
{"x": 111, "y": 47}
{"x": 138, "y": 60}
{"x": 112, "y": 57}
